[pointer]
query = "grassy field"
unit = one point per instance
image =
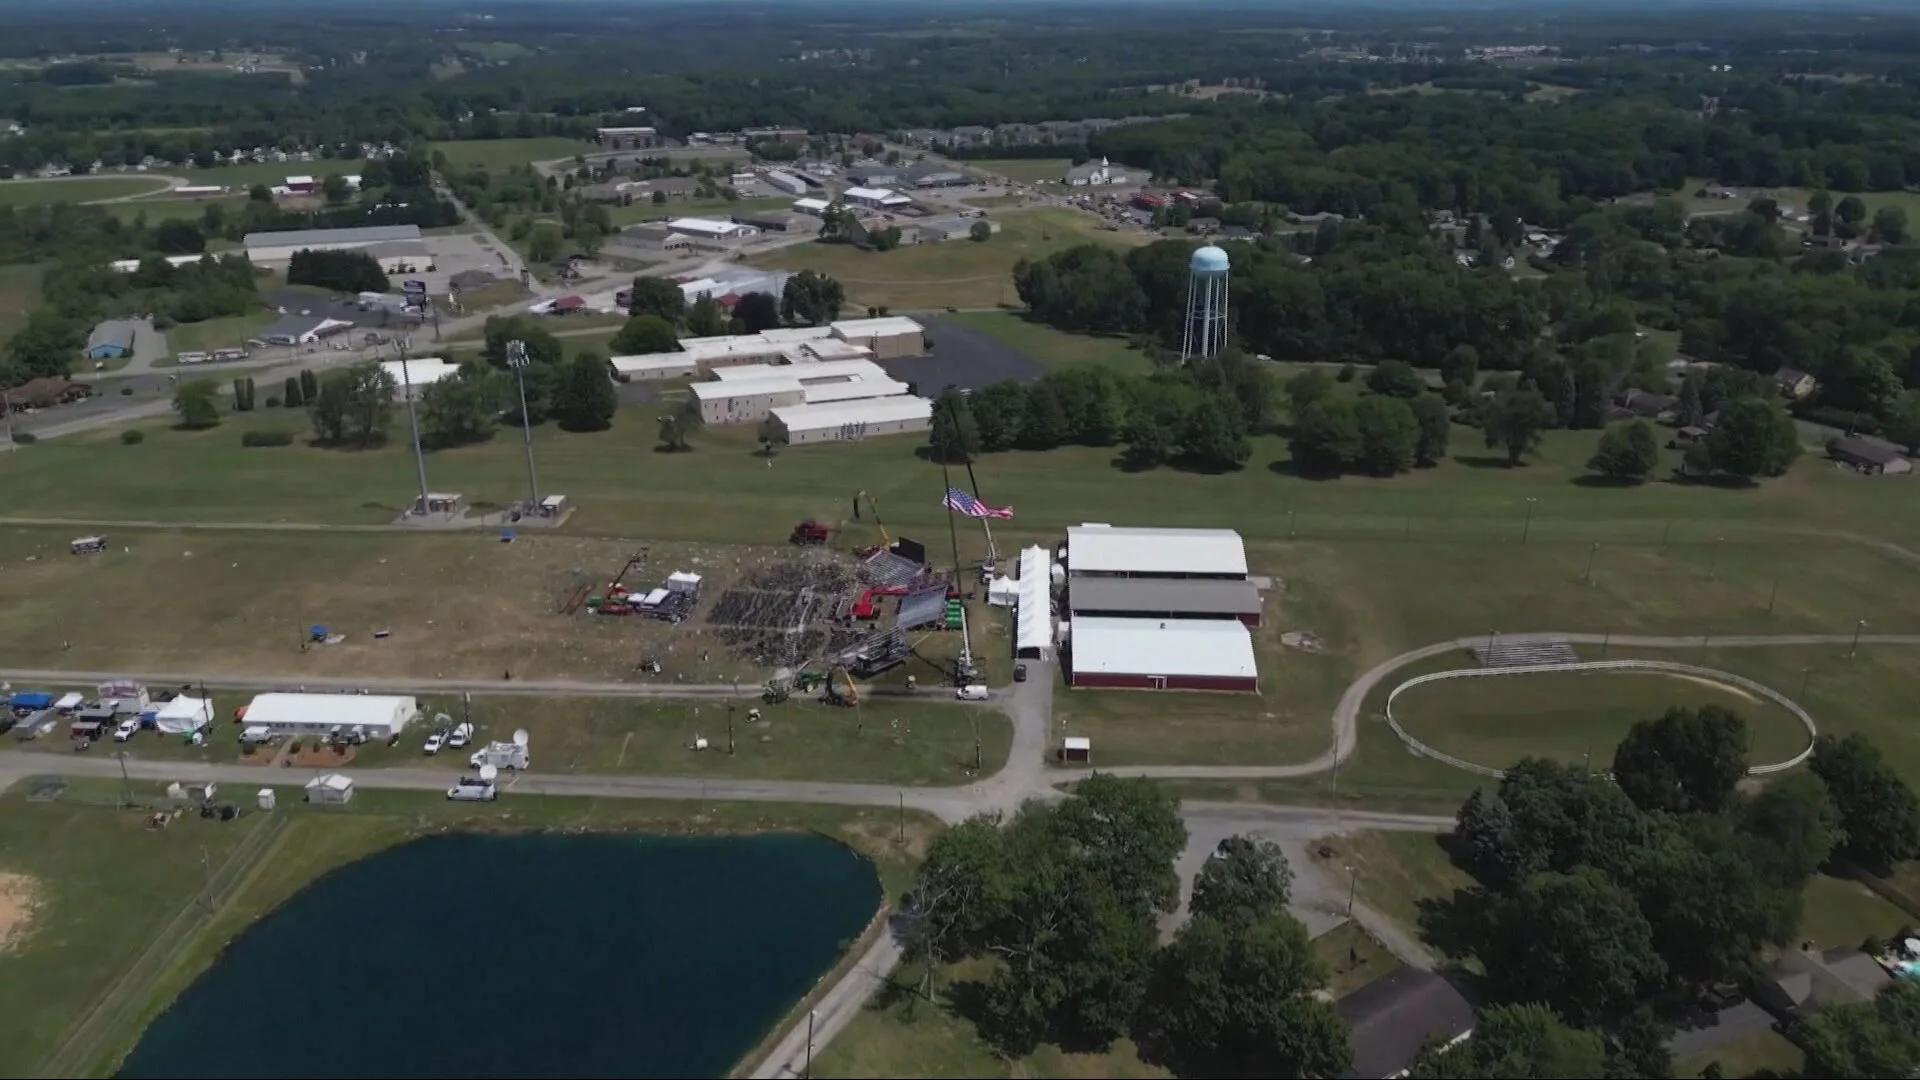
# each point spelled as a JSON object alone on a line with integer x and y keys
{"x": 1574, "y": 717}
{"x": 230, "y": 332}
{"x": 75, "y": 189}
{"x": 168, "y": 208}
{"x": 1051, "y": 347}
{"x": 498, "y": 153}
{"x": 1353, "y": 958}
{"x": 102, "y": 886}
{"x": 960, "y": 273}
{"x": 908, "y": 742}
{"x": 1024, "y": 170}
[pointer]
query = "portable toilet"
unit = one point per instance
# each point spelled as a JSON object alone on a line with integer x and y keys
{"x": 264, "y": 800}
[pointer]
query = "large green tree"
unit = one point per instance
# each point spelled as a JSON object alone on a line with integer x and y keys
{"x": 1686, "y": 761}
{"x": 954, "y": 436}
{"x": 1236, "y": 997}
{"x": 1879, "y": 814}
{"x": 1518, "y": 1042}
{"x": 197, "y": 403}
{"x": 1865, "y": 1041}
{"x": 1389, "y": 434}
{"x": 1244, "y": 879}
{"x": 1576, "y": 942}
{"x": 586, "y": 400}
{"x": 660, "y": 297}
{"x": 1628, "y": 453}
{"x": 643, "y": 334}
{"x": 1514, "y": 421}
{"x": 1754, "y": 438}
{"x": 461, "y": 409}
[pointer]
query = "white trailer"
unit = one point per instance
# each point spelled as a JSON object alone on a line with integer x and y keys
{"x": 503, "y": 755}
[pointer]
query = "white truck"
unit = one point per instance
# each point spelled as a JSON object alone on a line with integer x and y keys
{"x": 473, "y": 789}
{"x": 501, "y": 755}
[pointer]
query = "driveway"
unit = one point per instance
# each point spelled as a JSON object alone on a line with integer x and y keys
{"x": 149, "y": 345}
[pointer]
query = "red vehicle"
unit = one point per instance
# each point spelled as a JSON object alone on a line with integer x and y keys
{"x": 809, "y": 533}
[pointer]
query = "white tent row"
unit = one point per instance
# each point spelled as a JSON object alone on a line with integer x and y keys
{"x": 1003, "y": 592}
{"x": 1033, "y": 623}
{"x": 183, "y": 715}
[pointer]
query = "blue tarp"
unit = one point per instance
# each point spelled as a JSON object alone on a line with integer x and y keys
{"x": 31, "y": 699}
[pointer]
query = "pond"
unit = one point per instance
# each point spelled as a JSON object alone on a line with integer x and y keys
{"x": 479, "y": 955}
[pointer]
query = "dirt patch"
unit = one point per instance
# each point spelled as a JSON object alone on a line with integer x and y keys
{"x": 19, "y": 901}
{"x": 1701, "y": 680}
{"x": 1303, "y": 640}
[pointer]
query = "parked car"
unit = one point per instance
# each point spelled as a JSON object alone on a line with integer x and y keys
{"x": 434, "y": 742}
{"x": 461, "y": 735}
{"x": 126, "y": 730}
{"x": 1019, "y": 673}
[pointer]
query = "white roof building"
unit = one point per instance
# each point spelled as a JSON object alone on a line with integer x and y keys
{"x": 886, "y": 326}
{"x": 420, "y": 372}
{"x": 709, "y": 229}
{"x": 305, "y": 714}
{"x": 851, "y": 421}
{"x": 128, "y": 266}
{"x": 270, "y": 247}
{"x": 816, "y": 207}
{"x": 1177, "y": 654}
{"x": 1108, "y": 549}
{"x": 182, "y": 715}
{"x": 674, "y": 365}
{"x": 332, "y": 788}
{"x": 875, "y": 197}
{"x": 1033, "y": 618}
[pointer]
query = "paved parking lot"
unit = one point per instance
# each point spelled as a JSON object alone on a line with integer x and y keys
{"x": 964, "y": 357}
{"x": 455, "y": 252}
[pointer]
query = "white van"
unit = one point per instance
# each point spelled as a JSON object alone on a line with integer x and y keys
{"x": 976, "y": 692}
{"x": 256, "y": 735}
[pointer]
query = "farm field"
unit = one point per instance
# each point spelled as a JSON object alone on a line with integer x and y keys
{"x": 79, "y": 189}
{"x": 1023, "y": 170}
{"x": 102, "y": 886}
{"x": 497, "y": 153}
{"x": 956, "y": 273}
{"x": 1051, "y": 347}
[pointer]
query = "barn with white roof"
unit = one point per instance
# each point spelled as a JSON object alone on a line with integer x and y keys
{"x": 1160, "y": 609}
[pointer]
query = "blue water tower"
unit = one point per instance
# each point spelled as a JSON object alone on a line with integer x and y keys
{"x": 1206, "y": 327}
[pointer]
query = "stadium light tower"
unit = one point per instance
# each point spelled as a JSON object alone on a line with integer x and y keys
{"x": 517, "y": 360}
{"x": 1206, "y": 326}
{"x": 413, "y": 422}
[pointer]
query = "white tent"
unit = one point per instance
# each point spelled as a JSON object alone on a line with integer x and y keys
{"x": 1003, "y": 592}
{"x": 331, "y": 788}
{"x": 183, "y": 714}
{"x": 1033, "y": 630}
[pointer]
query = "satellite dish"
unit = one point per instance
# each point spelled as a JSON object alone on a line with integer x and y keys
{"x": 520, "y": 738}
{"x": 488, "y": 772}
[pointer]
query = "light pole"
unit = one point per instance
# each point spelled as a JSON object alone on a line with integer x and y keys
{"x": 1805, "y": 674}
{"x": 1353, "y": 883}
{"x": 1855, "y": 647}
{"x": 1592, "y": 552}
{"x": 812, "y": 1015}
{"x": 517, "y": 360}
{"x": 413, "y": 423}
{"x": 1526, "y": 528}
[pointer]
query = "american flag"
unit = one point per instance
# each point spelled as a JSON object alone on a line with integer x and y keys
{"x": 964, "y": 503}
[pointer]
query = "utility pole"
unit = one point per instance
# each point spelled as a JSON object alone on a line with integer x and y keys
{"x": 812, "y": 1015}
{"x": 1526, "y": 528}
{"x": 729, "y": 729}
{"x": 517, "y": 360}
{"x": 413, "y": 423}
{"x": 1855, "y": 647}
{"x": 1591, "y": 553}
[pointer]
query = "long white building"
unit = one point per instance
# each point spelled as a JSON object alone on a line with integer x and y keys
{"x": 265, "y": 248}
{"x": 379, "y": 717}
{"x": 748, "y": 395}
{"x": 852, "y": 339}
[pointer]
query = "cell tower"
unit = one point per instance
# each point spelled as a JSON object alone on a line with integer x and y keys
{"x": 1206, "y": 329}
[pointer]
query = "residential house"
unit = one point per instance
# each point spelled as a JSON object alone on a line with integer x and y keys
{"x": 1644, "y": 405}
{"x": 1395, "y": 1017}
{"x": 1806, "y": 981}
{"x": 1794, "y": 384}
{"x": 1868, "y": 456}
{"x": 45, "y": 391}
{"x": 1236, "y": 232}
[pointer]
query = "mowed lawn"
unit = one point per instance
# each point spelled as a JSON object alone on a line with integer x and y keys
{"x": 954, "y": 273}
{"x": 1023, "y": 170}
{"x": 499, "y": 153}
{"x": 1575, "y": 717}
{"x": 78, "y": 189}
{"x": 172, "y": 208}
{"x": 228, "y": 332}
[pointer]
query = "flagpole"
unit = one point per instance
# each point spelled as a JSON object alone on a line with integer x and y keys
{"x": 993, "y": 551}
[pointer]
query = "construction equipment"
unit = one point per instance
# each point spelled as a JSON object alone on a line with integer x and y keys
{"x": 810, "y": 533}
{"x": 618, "y": 599}
{"x": 955, "y": 614}
{"x": 839, "y": 688}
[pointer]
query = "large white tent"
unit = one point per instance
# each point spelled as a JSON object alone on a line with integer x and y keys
{"x": 311, "y": 714}
{"x": 1033, "y": 618}
{"x": 183, "y": 715}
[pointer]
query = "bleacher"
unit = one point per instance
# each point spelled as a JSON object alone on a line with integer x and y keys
{"x": 1496, "y": 651}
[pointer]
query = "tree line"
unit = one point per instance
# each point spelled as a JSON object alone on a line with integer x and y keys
{"x": 76, "y": 295}
{"x": 1065, "y": 897}
{"x": 1606, "y": 904}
